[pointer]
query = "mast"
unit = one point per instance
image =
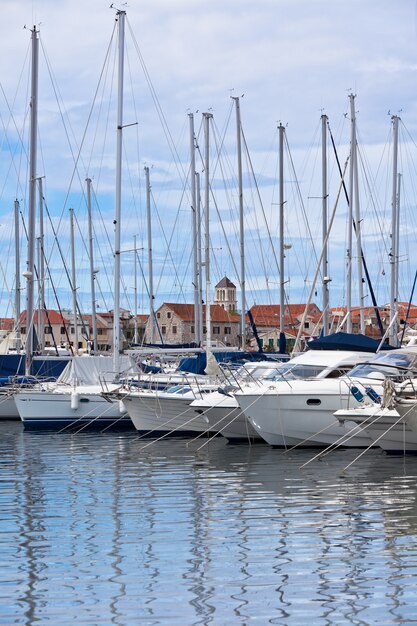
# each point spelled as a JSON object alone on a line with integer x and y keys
{"x": 199, "y": 262}
{"x": 92, "y": 270}
{"x": 150, "y": 260}
{"x": 241, "y": 225}
{"x": 207, "y": 117}
{"x": 282, "y": 346}
{"x": 135, "y": 290}
{"x": 73, "y": 281}
{"x": 350, "y": 220}
{"x": 325, "y": 196}
{"x": 118, "y": 195}
{"x": 358, "y": 235}
{"x": 394, "y": 240}
{"x": 29, "y": 274}
{"x": 194, "y": 226}
{"x": 41, "y": 266}
{"x": 17, "y": 272}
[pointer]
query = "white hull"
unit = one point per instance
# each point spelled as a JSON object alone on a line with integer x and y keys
{"x": 226, "y": 417}
{"x": 8, "y": 408}
{"x": 384, "y": 427}
{"x": 288, "y": 419}
{"x": 155, "y": 413}
{"x": 43, "y": 409}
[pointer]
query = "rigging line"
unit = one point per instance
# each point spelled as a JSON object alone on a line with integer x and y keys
{"x": 365, "y": 267}
{"x": 173, "y": 229}
{"x": 158, "y": 107}
{"x": 371, "y": 190}
{"x": 13, "y": 151}
{"x": 63, "y": 261}
{"x": 261, "y": 203}
{"x": 78, "y": 157}
{"x": 300, "y": 197}
{"x": 168, "y": 253}
{"x": 44, "y": 303}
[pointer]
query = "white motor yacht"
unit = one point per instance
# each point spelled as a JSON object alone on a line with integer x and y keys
{"x": 221, "y": 408}
{"x": 301, "y": 412}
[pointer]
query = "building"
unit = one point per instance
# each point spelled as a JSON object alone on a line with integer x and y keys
{"x": 267, "y": 321}
{"x": 225, "y": 295}
{"x": 175, "y": 324}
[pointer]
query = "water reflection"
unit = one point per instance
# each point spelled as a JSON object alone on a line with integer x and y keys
{"x": 95, "y": 529}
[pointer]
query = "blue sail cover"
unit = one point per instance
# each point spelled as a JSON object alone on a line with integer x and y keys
{"x": 196, "y": 364}
{"x": 14, "y": 365}
{"x": 347, "y": 341}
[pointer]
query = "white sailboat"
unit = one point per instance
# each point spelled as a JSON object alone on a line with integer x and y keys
{"x": 76, "y": 398}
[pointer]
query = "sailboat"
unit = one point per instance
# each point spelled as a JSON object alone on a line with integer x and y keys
{"x": 77, "y": 397}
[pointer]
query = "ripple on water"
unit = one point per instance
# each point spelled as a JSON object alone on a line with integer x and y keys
{"x": 97, "y": 529}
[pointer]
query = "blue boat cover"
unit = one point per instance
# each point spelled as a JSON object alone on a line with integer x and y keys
{"x": 347, "y": 341}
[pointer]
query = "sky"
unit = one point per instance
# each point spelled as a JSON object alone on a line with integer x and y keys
{"x": 288, "y": 61}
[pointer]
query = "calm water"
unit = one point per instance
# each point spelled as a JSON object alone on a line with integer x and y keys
{"x": 96, "y": 529}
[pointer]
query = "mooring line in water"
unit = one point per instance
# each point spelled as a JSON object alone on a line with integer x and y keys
{"x": 402, "y": 417}
{"x": 340, "y": 442}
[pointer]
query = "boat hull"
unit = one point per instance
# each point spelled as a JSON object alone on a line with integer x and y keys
{"x": 287, "y": 419}
{"x": 40, "y": 411}
{"x": 226, "y": 417}
{"x": 155, "y": 415}
{"x": 384, "y": 427}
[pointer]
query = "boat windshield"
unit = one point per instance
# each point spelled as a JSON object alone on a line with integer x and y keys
{"x": 293, "y": 371}
{"x": 391, "y": 365}
{"x": 257, "y": 372}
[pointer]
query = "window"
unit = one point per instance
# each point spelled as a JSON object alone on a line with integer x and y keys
{"x": 164, "y": 330}
{"x": 158, "y": 315}
{"x": 227, "y": 330}
{"x": 204, "y": 330}
{"x": 169, "y": 315}
{"x": 216, "y": 330}
{"x": 62, "y": 330}
{"x": 72, "y": 330}
{"x": 48, "y": 330}
{"x": 306, "y": 324}
{"x": 23, "y": 330}
{"x": 174, "y": 330}
{"x": 271, "y": 343}
{"x": 192, "y": 330}
{"x": 101, "y": 331}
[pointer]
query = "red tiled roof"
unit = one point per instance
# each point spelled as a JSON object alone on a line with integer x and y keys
{"x": 186, "y": 312}
{"x": 7, "y": 323}
{"x": 268, "y": 314}
{"x": 49, "y": 317}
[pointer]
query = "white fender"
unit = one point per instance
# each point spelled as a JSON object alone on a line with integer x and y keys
{"x": 75, "y": 400}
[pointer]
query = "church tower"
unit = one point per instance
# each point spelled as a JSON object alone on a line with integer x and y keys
{"x": 225, "y": 295}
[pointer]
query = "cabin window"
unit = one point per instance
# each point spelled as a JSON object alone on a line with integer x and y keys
{"x": 313, "y": 401}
